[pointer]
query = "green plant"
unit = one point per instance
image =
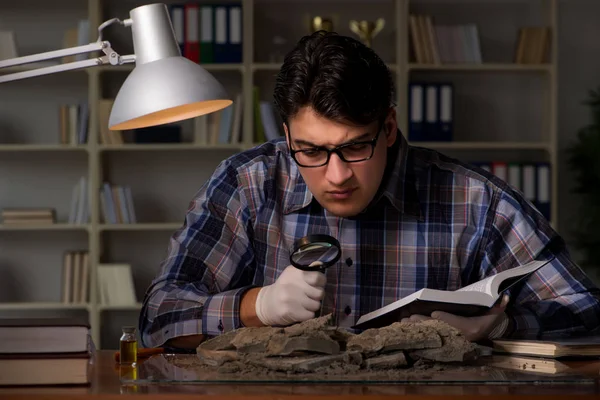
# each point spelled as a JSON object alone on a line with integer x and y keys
{"x": 584, "y": 160}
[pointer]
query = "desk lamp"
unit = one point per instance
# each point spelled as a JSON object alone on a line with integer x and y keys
{"x": 163, "y": 87}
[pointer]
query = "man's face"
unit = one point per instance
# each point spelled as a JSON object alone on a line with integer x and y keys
{"x": 344, "y": 189}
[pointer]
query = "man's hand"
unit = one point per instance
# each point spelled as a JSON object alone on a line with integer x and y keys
{"x": 473, "y": 328}
{"x": 294, "y": 297}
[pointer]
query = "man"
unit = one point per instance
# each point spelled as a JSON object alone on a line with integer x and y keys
{"x": 406, "y": 218}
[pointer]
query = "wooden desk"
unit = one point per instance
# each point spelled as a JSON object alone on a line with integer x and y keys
{"x": 106, "y": 384}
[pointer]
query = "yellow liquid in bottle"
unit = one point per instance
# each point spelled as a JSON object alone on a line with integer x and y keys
{"x": 128, "y": 351}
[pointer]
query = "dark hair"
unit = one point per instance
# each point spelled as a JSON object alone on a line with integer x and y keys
{"x": 339, "y": 77}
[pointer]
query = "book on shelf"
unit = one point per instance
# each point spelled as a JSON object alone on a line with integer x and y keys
{"x": 208, "y": 34}
{"x": 74, "y": 123}
{"x": 45, "y": 351}
{"x": 76, "y": 277}
{"x": 431, "y": 111}
{"x": 266, "y": 123}
{"x": 79, "y": 212}
{"x": 8, "y": 45}
{"x": 572, "y": 347}
{"x": 474, "y": 299}
{"x": 443, "y": 44}
{"x": 117, "y": 204}
{"x": 76, "y": 36}
{"x": 28, "y": 216}
{"x": 221, "y": 127}
{"x": 533, "y": 45}
{"x": 115, "y": 285}
{"x": 533, "y": 180}
{"x": 106, "y": 135}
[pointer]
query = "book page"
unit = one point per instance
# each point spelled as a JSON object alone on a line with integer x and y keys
{"x": 483, "y": 285}
{"x": 491, "y": 284}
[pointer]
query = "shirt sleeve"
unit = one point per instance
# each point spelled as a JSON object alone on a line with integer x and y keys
{"x": 209, "y": 265}
{"x": 558, "y": 300}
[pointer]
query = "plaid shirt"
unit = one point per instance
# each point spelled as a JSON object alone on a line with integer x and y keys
{"x": 435, "y": 223}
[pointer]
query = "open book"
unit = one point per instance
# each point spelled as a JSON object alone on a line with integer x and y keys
{"x": 471, "y": 300}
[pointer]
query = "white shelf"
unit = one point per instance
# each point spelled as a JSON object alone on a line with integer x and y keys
{"x": 44, "y": 227}
{"x": 492, "y": 67}
{"x": 277, "y": 66}
{"x": 169, "y": 147}
{"x": 209, "y": 67}
{"x": 41, "y": 147}
{"x": 43, "y": 306}
{"x": 159, "y": 226}
{"x": 484, "y": 145}
{"x": 127, "y": 307}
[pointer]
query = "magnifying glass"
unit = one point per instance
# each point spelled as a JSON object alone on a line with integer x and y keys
{"x": 315, "y": 252}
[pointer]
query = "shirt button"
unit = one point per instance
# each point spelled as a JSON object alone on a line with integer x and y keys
{"x": 348, "y": 261}
{"x": 220, "y": 327}
{"x": 348, "y": 310}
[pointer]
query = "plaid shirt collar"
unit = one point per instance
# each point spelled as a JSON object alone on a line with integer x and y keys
{"x": 399, "y": 185}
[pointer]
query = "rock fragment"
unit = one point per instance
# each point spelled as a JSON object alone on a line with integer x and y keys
{"x": 311, "y": 325}
{"x": 315, "y": 342}
{"x": 254, "y": 340}
{"x": 398, "y": 336}
{"x": 220, "y": 342}
{"x": 387, "y": 361}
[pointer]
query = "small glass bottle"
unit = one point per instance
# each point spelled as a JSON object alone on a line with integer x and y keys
{"x": 128, "y": 346}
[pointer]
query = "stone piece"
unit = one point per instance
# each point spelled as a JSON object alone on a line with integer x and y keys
{"x": 315, "y": 342}
{"x": 220, "y": 342}
{"x": 216, "y": 358}
{"x": 454, "y": 348}
{"x": 304, "y": 363}
{"x": 311, "y": 325}
{"x": 386, "y": 361}
{"x": 254, "y": 340}
{"x": 397, "y": 336}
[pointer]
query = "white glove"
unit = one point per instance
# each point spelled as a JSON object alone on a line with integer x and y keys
{"x": 294, "y": 297}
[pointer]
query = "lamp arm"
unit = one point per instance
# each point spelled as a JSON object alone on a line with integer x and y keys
{"x": 110, "y": 57}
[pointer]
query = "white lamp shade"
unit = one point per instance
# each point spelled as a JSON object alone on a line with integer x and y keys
{"x": 164, "y": 87}
{"x": 163, "y": 91}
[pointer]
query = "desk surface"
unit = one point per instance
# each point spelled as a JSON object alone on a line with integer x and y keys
{"x": 106, "y": 383}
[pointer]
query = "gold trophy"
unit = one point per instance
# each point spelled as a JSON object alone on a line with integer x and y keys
{"x": 321, "y": 23}
{"x": 367, "y": 30}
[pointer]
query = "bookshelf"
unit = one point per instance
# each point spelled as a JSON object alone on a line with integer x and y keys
{"x": 164, "y": 176}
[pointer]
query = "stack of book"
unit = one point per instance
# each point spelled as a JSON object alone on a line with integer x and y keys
{"x": 47, "y": 351}
{"x": 76, "y": 277}
{"x": 24, "y": 216}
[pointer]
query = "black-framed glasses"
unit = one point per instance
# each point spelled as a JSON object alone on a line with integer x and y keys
{"x": 348, "y": 152}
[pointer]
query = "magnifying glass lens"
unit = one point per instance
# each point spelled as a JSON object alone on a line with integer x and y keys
{"x": 315, "y": 254}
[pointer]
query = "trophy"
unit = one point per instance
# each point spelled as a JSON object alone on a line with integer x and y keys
{"x": 367, "y": 30}
{"x": 321, "y": 23}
